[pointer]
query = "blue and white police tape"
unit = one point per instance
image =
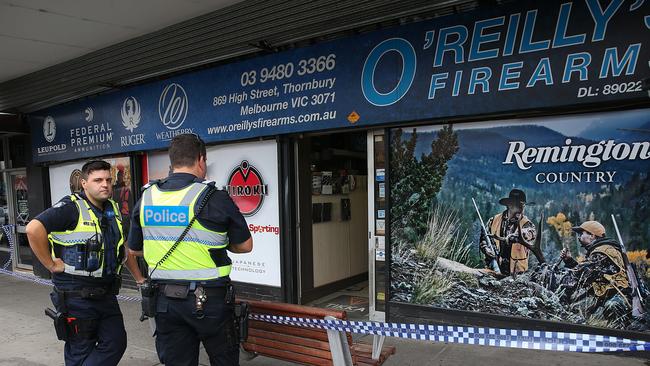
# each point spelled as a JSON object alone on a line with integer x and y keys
{"x": 44, "y": 282}
{"x": 510, "y": 338}
{"x": 9, "y": 232}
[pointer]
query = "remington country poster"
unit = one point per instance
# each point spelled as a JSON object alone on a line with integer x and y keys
{"x": 543, "y": 218}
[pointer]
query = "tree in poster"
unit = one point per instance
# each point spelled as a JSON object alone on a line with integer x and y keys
{"x": 415, "y": 182}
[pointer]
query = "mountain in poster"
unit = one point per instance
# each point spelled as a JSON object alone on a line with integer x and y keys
{"x": 482, "y": 153}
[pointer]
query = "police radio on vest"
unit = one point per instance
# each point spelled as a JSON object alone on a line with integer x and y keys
{"x": 166, "y": 215}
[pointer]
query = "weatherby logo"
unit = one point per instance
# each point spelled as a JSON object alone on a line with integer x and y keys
{"x": 246, "y": 188}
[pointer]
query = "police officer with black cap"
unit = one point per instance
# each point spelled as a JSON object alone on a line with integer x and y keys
{"x": 80, "y": 240}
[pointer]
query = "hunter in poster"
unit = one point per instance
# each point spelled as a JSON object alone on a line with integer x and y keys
{"x": 542, "y": 218}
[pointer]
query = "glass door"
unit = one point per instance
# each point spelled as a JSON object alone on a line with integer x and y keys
{"x": 18, "y": 215}
{"x": 377, "y": 224}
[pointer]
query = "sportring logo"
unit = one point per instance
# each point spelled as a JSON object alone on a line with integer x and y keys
{"x": 246, "y": 188}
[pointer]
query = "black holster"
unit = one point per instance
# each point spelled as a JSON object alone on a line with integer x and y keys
{"x": 116, "y": 285}
{"x": 60, "y": 324}
{"x": 149, "y": 293}
{"x": 241, "y": 320}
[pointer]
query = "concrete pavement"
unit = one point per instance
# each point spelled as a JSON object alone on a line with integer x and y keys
{"x": 27, "y": 338}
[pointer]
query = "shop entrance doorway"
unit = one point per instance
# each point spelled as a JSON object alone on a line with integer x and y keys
{"x": 334, "y": 208}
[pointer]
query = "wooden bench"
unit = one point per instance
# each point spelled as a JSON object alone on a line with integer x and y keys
{"x": 309, "y": 346}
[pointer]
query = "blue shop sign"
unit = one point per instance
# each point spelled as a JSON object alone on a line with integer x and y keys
{"x": 527, "y": 56}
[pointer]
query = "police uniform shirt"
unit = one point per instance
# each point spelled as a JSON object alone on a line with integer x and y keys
{"x": 220, "y": 213}
{"x": 64, "y": 216}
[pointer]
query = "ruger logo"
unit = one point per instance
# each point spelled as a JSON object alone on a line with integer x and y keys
{"x": 246, "y": 188}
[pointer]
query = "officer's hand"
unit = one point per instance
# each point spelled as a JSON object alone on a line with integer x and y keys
{"x": 140, "y": 281}
{"x": 565, "y": 254}
{"x": 58, "y": 266}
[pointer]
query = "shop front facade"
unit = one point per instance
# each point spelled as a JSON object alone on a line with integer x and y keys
{"x": 368, "y": 159}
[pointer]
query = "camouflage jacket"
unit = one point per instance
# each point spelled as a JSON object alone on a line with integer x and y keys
{"x": 603, "y": 268}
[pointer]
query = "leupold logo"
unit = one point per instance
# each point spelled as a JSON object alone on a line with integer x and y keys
{"x": 172, "y": 107}
{"x": 246, "y": 188}
{"x": 130, "y": 113}
{"x": 49, "y": 129}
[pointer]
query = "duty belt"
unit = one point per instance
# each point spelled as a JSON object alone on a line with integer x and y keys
{"x": 182, "y": 290}
{"x": 88, "y": 292}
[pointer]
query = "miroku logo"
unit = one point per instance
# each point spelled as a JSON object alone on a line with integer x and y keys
{"x": 130, "y": 113}
{"x": 49, "y": 129}
{"x": 246, "y": 188}
{"x": 172, "y": 106}
{"x": 166, "y": 215}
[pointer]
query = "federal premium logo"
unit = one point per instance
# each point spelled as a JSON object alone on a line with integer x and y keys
{"x": 95, "y": 136}
{"x": 246, "y": 188}
{"x": 49, "y": 129}
{"x": 172, "y": 106}
{"x": 89, "y": 114}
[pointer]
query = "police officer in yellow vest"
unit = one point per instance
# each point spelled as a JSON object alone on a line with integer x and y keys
{"x": 516, "y": 230}
{"x": 80, "y": 240}
{"x": 603, "y": 266}
{"x": 194, "y": 300}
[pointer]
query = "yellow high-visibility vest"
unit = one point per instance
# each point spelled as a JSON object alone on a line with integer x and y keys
{"x": 88, "y": 225}
{"x": 164, "y": 215}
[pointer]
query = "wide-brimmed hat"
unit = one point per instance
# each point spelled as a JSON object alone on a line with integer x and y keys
{"x": 592, "y": 227}
{"x": 516, "y": 196}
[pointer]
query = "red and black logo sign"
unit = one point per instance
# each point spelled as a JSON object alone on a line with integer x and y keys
{"x": 246, "y": 188}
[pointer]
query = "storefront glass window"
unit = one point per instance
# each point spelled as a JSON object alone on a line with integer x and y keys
{"x": 491, "y": 217}
{"x": 4, "y": 213}
{"x": 18, "y": 151}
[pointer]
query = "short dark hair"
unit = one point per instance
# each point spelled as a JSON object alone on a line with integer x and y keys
{"x": 185, "y": 150}
{"x": 93, "y": 165}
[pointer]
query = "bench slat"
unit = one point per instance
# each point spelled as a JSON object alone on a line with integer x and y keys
{"x": 294, "y": 310}
{"x": 362, "y": 354}
{"x": 291, "y": 347}
{"x": 317, "y": 334}
{"x": 367, "y": 348}
{"x": 288, "y": 356}
{"x": 306, "y": 342}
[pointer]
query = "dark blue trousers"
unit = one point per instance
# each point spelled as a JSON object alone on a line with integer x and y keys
{"x": 108, "y": 344}
{"x": 178, "y": 332}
